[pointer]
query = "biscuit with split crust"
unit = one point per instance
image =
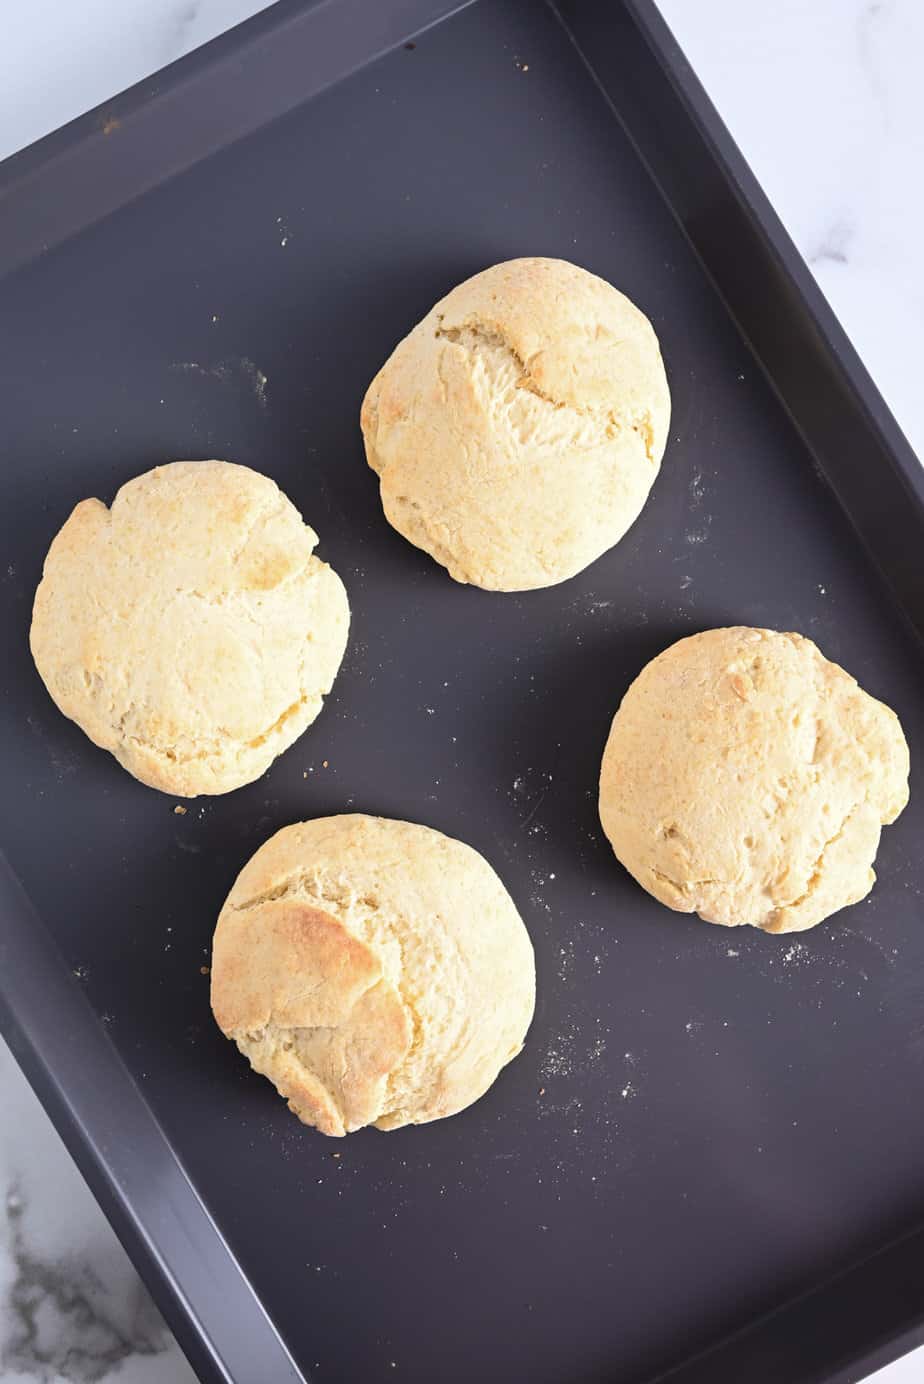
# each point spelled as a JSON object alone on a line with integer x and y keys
{"x": 518, "y": 429}
{"x": 377, "y": 972}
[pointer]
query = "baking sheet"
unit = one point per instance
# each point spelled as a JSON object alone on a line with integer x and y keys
{"x": 703, "y": 1123}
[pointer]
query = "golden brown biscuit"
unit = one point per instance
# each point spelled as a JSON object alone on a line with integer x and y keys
{"x": 189, "y": 629}
{"x": 746, "y": 779}
{"x": 376, "y": 971}
{"x": 519, "y": 427}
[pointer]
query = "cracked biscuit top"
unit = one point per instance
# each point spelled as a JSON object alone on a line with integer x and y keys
{"x": 518, "y": 429}
{"x": 189, "y": 629}
{"x": 377, "y": 972}
{"x": 746, "y": 779}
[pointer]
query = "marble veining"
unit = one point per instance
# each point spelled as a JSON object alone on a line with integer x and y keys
{"x": 826, "y": 102}
{"x": 834, "y": 243}
{"x": 177, "y": 40}
{"x": 59, "y": 1323}
{"x": 870, "y": 22}
{"x": 72, "y": 1307}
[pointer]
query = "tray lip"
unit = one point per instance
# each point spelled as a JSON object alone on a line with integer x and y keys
{"x": 346, "y": 36}
{"x": 27, "y": 1032}
{"x": 745, "y": 186}
{"x": 854, "y": 1366}
{"x": 37, "y": 155}
{"x": 117, "y": 1142}
{"x": 41, "y": 1036}
{"x": 854, "y": 376}
{"x": 831, "y": 350}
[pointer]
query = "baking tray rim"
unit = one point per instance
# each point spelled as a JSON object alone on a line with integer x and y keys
{"x": 42, "y": 1036}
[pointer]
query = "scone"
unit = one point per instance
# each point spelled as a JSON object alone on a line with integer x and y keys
{"x": 518, "y": 429}
{"x": 746, "y": 779}
{"x": 189, "y": 629}
{"x": 376, "y": 971}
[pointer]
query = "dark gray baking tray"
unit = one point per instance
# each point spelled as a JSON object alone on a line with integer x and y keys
{"x": 709, "y": 1160}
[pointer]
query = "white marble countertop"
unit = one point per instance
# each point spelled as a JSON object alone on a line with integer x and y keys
{"x": 826, "y": 101}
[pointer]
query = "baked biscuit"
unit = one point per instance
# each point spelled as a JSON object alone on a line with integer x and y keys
{"x": 190, "y": 630}
{"x": 518, "y": 429}
{"x": 746, "y": 779}
{"x": 377, "y": 972}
